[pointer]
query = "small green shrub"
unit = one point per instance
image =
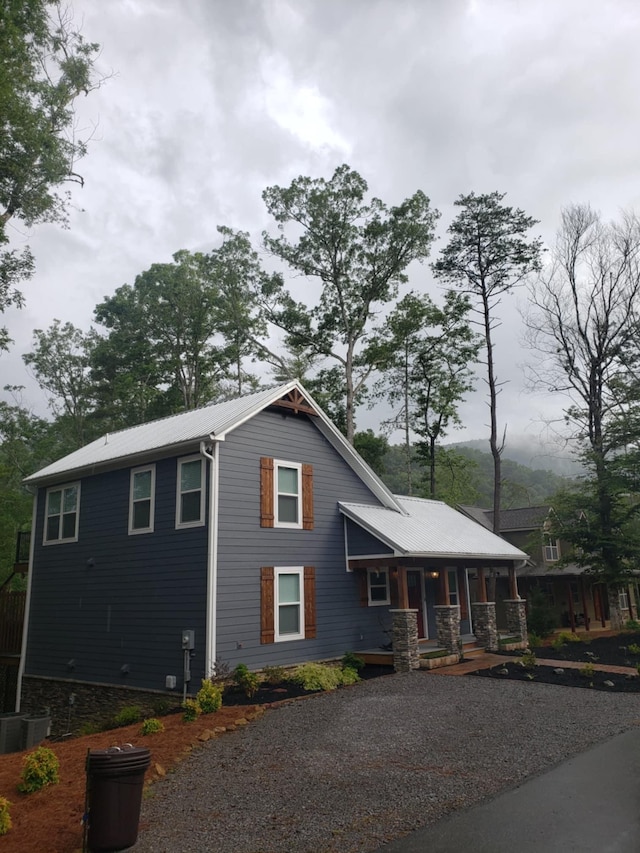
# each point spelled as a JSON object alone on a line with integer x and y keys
{"x": 352, "y": 661}
{"x": 191, "y": 710}
{"x": 127, "y": 716}
{"x": 528, "y": 659}
{"x": 349, "y": 676}
{"x": 535, "y": 640}
{"x": 541, "y": 619}
{"x": 91, "y": 728}
{"x": 274, "y": 674}
{"x": 634, "y": 649}
{"x": 209, "y": 697}
{"x": 151, "y": 726}
{"x": 563, "y": 638}
{"x": 246, "y": 680}
{"x": 41, "y": 768}
{"x": 317, "y": 676}
{"x": 162, "y": 707}
{"x": 632, "y": 625}
{"x": 587, "y": 670}
{"x": 5, "y": 817}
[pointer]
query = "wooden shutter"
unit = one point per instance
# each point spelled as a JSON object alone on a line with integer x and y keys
{"x": 266, "y": 492}
{"x": 309, "y": 603}
{"x": 267, "y": 634}
{"x": 307, "y": 497}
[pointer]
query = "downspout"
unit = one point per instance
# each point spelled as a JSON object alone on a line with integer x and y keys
{"x": 27, "y": 603}
{"x": 212, "y": 558}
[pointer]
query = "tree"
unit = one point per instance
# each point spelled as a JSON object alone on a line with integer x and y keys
{"x": 45, "y": 65}
{"x": 428, "y": 370}
{"x": 488, "y": 254}
{"x": 358, "y": 251}
{"x": 373, "y": 449}
{"x": 583, "y": 324}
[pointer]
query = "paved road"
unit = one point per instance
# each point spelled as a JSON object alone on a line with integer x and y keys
{"x": 590, "y": 804}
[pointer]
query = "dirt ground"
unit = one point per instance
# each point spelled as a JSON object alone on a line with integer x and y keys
{"x": 51, "y": 819}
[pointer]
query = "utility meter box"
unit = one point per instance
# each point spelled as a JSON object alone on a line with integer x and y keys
{"x": 188, "y": 640}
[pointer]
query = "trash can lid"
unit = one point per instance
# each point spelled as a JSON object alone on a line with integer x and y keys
{"x": 126, "y": 757}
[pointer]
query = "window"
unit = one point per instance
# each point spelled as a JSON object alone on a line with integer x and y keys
{"x": 378, "y": 587}
{"x": 623, "y": 599}
{"x": 142, "y": 499}
{"x": 190, "y": 494}
{"x": 453, "y": 587}
{"x": 551, "y": 549}
{"x": 61, "y": 514}
{"x": 288, "y": 604}
{"x": 286, "y": 494}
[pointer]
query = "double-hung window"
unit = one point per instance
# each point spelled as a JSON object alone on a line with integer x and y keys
{"x": 142, "y": 499}
{"x": 289, "y": 604}
{"x": 378, "y": 587}
{"x": 61, "y": 514}
{"x": 551, "y": 549}
{"x": 190, "y": 492}
{"x": 288, "y": 494}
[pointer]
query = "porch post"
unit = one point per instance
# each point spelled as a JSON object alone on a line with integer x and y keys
{"x": 482, "y": 587}
{"x": 448, "y": 627}
{"x": 585, "y": 607}
{"x": 572, "y": 618}
{"x": 484, "y": 617}
{"x": 403, "y": 590}
{"x": 513, "y": 583}
{"x": 405, "y": 640}
{"x": 443, "y": 588}
{"x": 517, "y": 618}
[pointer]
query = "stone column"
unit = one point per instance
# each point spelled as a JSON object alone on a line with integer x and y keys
{"x": 448, "y": 627}
{"x": 484, "y": 624}
{"x": 405, "y": 640}
{"x": 517, "y": 618}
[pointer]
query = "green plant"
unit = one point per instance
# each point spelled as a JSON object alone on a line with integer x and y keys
{"x": 317, "y": 676}
{"x": 221, "y": 671}
{"x": 632, "y": 625}
{"x": 535, "y": 640}
{"x": 587, "y": 670}
{"x": 127, "y": 716}
{"x": 349, "y": 676}
{"x": 563, "y": 638}
{"x": 209, "y": 697}
{"x": 350, "y": 660}
{"x": 274, "y": 674}
{"x": 540, "y": 617}
{"x": 638, "y": 668}
{"x": 528, "y": 659}
{"x": 5, "y": 817}
{"x": 634, "y": 649}
{"x": 191, "y": 710}
{"x": 162, "y": 707}
{"x": 41, "y": 768}
{"x": 91, "y": 728}
{"x": 151, "y": 726}
{"x": 246, "y": 680}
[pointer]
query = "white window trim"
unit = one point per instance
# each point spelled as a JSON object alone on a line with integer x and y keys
{"x": 551, "y": 546}
{"x": 287, "y": 570}
{"x": 279, "y": 463}
{"x": 182, "y": 525}
{"x": 387, "y": 600}
{"x": 61, "y": 488}
{"x": 133, "y": 531}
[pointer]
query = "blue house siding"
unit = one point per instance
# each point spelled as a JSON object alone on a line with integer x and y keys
{"x": 363, "y": 543}
{"x": 131, "y": 605}
{"x": 244, "y": 546}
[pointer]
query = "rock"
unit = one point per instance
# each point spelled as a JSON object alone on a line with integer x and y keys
{"x": 558, "y": 671}
{"x": 206, "y": 735}
{"x": 219, "y": 730}
{"x": 503, "y": 671}
{"x": 608, "y": 683}
{"x": 242, "y": 722}
{"x": 159, "y": 769}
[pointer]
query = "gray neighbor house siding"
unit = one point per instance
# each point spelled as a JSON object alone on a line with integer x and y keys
{"x": 110, "y": 608}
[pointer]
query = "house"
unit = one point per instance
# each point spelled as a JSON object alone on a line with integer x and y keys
{"x": 576, "y": 599}
{"x": 247, "y": 531}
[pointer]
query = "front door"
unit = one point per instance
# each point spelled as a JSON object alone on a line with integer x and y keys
{"x": 414, "y": 588}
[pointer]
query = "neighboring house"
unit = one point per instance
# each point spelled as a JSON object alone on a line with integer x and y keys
{"x": 247, "y": 531}
{"x": 575, "y": 599}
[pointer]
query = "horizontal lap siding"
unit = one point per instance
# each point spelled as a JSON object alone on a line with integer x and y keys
{"x": 244, "y": 547}
{"x": 362, "y": 542}
{"x": 131, "y": 606}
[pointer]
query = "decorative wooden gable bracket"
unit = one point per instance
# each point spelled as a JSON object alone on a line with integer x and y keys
{"x": 296, "y": 402}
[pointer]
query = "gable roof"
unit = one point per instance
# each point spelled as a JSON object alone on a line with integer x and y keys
{"x": 430, "y": 529}
{"x": 521, "y": 518}
{"x": 128, "y": 446}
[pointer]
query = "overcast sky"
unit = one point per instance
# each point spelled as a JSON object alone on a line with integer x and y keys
{"x": 213, "y": 100}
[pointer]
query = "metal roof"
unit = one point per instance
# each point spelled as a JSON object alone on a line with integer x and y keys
{"x": 126, "y": 446}
{"x": 520, "y": 518}
{"x": 430, "y": 529}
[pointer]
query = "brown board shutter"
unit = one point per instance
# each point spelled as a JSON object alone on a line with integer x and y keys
{"x": 307, "y": 497}
{"x": 266, "y": 492}
{"x": 266, "y": 605}
{"x": 309, "y": 603}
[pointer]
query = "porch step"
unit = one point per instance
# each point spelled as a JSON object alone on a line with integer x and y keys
{"x": 473, "y": 651}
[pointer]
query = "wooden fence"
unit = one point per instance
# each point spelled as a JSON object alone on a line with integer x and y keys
{"x": 12, "y": 606}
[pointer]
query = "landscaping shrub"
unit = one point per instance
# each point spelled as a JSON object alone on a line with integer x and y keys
{"x": 528, "y": 659}
{"x": 151, "y": 726}
{"x": 274, "y": 674}
{"x": 246, "y": 680}
{"x": 317, "y": 676}
{"x": 634, "y": 649}
{"x": 352, "y": 661}
{"x": 587, "y": 670}
{"x": 209, "y": 697}
{"x": 127, "y": 716}
{"x": 632, "y": 625}
{"x": 540, "y": 617}
{"x": 191, "y": 710}
{"x": 349, "y": 676}
{"x": 41, "y": 768}
{"x": 5, "y": 817}
{"x": 534, "y": 640}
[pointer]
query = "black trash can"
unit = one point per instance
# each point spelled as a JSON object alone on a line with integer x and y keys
{"x": 115, "y": 782}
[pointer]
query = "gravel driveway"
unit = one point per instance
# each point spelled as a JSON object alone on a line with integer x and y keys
{"x": 350, "y": 770}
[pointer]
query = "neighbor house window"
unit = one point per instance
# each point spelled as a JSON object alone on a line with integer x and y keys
{"x": 61, "y": 514}
{"x": 378, "y": 587}
{"x": 288, "y": 494}
{"x": 551, "y": 549}
{"x": 142, "y": 499}
{"x": 190, "y": 492}
{"x": 623, "y": 599}
{"x": 287, "y": 603}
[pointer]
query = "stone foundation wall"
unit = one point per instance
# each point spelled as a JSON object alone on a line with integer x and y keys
{"x": 448, "y": 627}
{"x": 405, "y": 640}
{"x": 516, "y": 610}
{"x": 484, "y": 624}
{"x": 73, "y": 704}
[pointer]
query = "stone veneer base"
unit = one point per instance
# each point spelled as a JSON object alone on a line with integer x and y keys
{"x": 434, "y": 663}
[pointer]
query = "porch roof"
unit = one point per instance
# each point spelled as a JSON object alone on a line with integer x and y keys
{"x": 430, "y": 529}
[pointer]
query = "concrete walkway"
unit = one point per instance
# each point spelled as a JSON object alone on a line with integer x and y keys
{"x": 588, "y": 804}
{"x": 488, "y": 660}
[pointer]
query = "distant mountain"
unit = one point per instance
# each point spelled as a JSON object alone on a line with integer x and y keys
{"x": 531, "y": 453}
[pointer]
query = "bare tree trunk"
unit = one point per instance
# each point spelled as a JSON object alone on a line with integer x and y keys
{"x": 349, "y": 403}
